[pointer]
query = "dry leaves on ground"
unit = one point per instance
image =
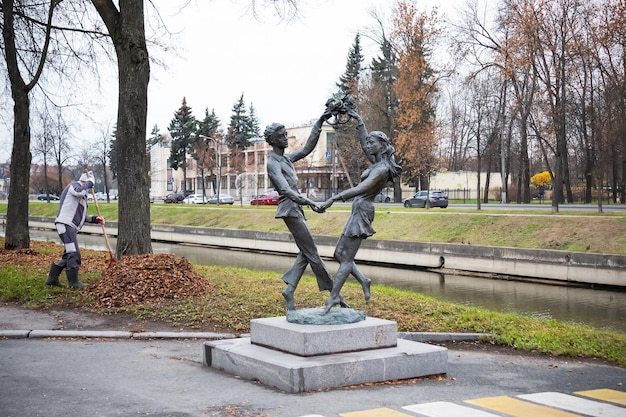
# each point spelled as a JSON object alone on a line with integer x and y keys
{"x": 130, "y": 280}
{"x": 148, "y": 278}
{"x": 42, "y": 254}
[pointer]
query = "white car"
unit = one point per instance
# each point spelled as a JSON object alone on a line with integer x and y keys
{"x": 224, "y": 199}
{"x": 195, "y": 199}
{"x": 100, "y": 196}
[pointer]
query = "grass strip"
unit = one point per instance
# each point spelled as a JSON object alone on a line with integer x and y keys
{"x": 239, "y": 295}
{"x": 576, "y": 232}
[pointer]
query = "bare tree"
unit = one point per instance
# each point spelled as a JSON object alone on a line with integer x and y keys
{"x": 101, "y": 156}
{"x": 551, "y": 29}
{"x": 124, "y": 21}
{"x": 16, "y": 28}
{"x": 61, "y": 150}
{"x": 37, "y": 35}
{"x": 42, "y": 146}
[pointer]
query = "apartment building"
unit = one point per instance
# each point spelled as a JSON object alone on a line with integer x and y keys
{"x": 244, "y": 175}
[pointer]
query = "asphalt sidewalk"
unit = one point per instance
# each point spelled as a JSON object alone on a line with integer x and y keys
{"x": 83, "y": 372}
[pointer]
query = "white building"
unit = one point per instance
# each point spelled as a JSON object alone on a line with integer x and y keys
{"x": 245, "y": 175}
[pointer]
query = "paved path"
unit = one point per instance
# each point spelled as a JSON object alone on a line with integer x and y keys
{"x": 91, "y": 377}
{"x": 77, "y": 376}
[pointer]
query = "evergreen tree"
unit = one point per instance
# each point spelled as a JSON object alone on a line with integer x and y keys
{"x": 240, "y": 129}
{"x": 207, "y": 146}
{"x": 343, "y": 140}
{"x": 210, "y": 125}
{"x": 349, "y": 81}
{"x": 183, "y": 132}
{"x": 383, "y": 100}
{"x": 255, "y": 126}
{"x": 378, "y": 102}
{"x": 154, "y": 139}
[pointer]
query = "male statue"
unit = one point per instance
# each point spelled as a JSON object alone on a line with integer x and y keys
{"x": 283, "y": 177}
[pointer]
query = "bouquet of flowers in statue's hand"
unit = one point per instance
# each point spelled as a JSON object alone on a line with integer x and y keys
{"x": 339, "y": 105}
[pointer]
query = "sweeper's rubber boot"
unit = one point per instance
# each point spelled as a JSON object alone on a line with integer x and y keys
{"x": 72, "y": 279}
{"x": 53, "y": 275}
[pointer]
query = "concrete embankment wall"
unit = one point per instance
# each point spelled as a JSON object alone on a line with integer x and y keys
{"x": 560, "y": 266}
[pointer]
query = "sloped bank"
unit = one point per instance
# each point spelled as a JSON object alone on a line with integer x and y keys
{"x": 557, "y": 267}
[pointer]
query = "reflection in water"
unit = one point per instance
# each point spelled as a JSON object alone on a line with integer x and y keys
{"x": 599, "y": 308}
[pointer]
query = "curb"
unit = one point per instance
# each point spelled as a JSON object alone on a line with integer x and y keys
{"x": 423, "y": 337}
{"x": 89, "y": 334}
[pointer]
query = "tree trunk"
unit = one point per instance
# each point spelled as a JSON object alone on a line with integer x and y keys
{"x": 487, "y": 184}
{"x": 524, "y": 160}
{"x": 16, "y": 234}
{"x": 60, "y": 173}
{"x": 127, "y": 31}
{"x": 134, "y": 75}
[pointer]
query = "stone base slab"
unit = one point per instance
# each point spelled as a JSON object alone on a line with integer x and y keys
{"x": 313, "y": 340}
{"x": 293, "y": 373}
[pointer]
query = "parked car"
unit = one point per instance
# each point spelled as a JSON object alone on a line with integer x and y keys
{"x": 270, "y": 199}
{"x": 44, "y": 197}
{"x": 99, "y": 195}
{"x": 224, "y": 199}
{"x": 382, "y": 197}
{"x": 195, "y": 199}
{"x": 174, "y": 198}
{"x": 427, "y": 199}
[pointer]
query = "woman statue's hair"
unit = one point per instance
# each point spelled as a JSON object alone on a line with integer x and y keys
{"x": 388, "y": 153}
{"x": 270, "y": 130}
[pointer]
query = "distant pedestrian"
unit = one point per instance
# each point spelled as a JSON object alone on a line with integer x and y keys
{"x": 70, "y": 218}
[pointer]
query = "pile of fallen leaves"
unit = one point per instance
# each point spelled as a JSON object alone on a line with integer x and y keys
{"x": 146, "y": 279}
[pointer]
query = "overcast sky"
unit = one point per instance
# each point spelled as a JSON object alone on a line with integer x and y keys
{"x": 286, "y": 70}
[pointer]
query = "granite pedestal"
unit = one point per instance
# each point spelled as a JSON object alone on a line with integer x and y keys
{"x": 298, "y": 358}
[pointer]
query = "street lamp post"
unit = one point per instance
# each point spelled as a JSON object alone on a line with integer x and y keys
{"x": 218, "y": 160}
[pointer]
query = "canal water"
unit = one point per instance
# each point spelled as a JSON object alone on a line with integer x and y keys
{"x": 597, "y": 307}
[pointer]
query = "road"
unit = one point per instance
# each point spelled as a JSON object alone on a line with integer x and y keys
{"x": 593, "y": 208}
{"x": 607, "y": 208}
{"x": 100, "y": 377}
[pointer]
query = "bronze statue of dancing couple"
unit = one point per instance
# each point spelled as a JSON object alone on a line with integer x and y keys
{"x": 373, "y": 180}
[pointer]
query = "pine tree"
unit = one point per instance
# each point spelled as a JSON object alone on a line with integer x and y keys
{"x": 183, "y": 132}
{"x": 155, "y": 138}
{"x": 239, "y": 129}
{"x": 378, "y": 103}
{"x": 255, "y": 128}
{"x": 349, "y": 81}
{"x": 207, "y": 147}
{"x": 383, "y": 105}
{"x": 343, "y": 140}
{"x": 210, "y": 125}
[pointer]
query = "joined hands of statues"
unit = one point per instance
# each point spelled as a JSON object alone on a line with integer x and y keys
{"x": 316, "y": 208}
{"x": 325, "y": 205}
{"x": 321, "y": 208}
